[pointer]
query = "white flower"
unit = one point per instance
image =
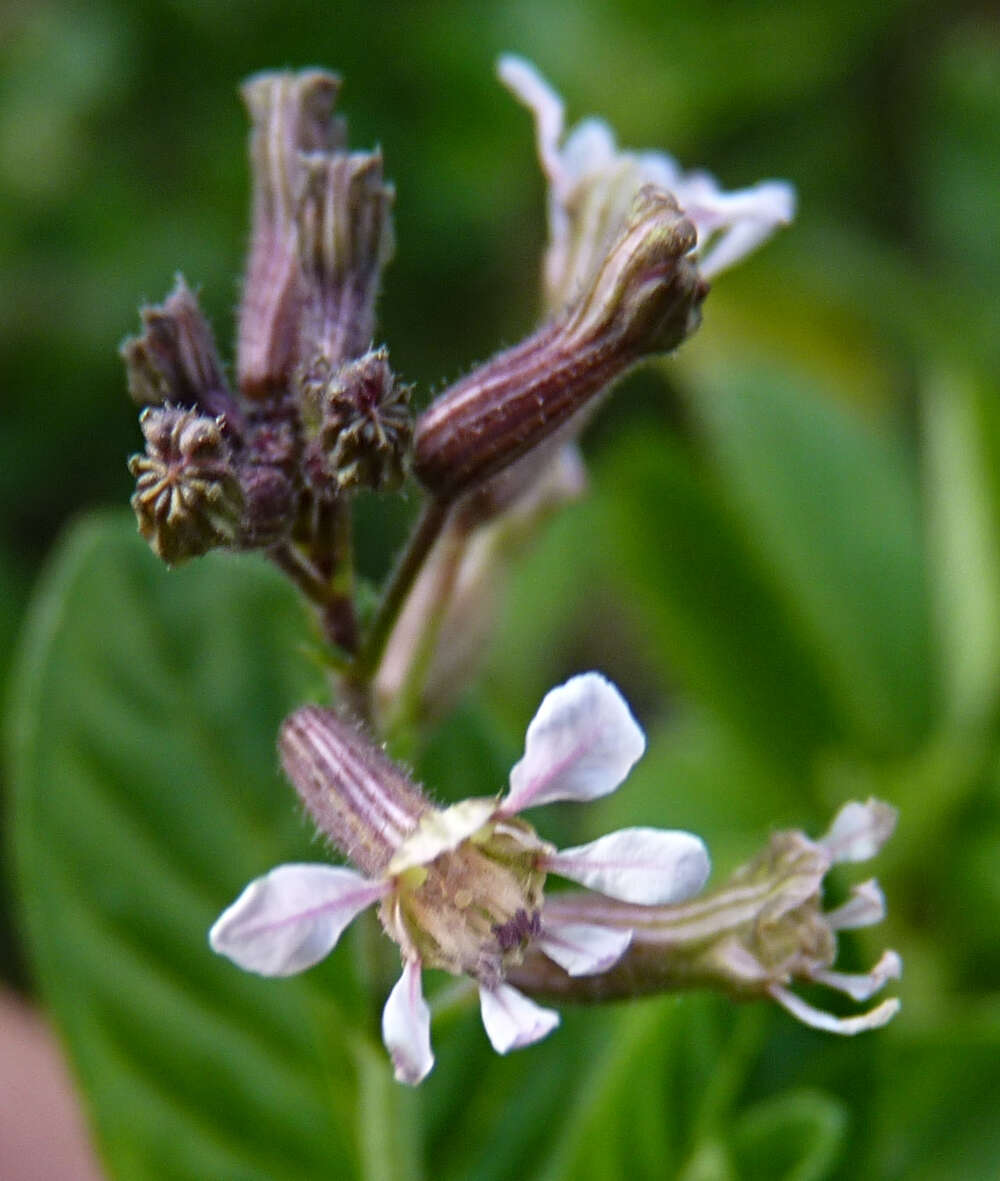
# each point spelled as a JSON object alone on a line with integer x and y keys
{"x": 592, "y": 183}
{"x": 463, "y": 889}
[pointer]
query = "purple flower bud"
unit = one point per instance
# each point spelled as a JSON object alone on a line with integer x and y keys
{"x": 175, "y": 360}
{"x": 643, "y": 299}
{"x": 187, "y": 499}
{"x": 345, "y": 239}
{"x": 290, "y": 114}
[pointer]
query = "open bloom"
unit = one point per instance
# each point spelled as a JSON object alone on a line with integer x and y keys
{"x": 592, "y": 184}
{"x": 459, "y": 888}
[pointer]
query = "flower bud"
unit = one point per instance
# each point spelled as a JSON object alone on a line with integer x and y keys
{"x": 643, "y": 300}
{"x": 345, "y": 239}
{"x": 187, "y": 499}
{"x": 363, "y": 423}
{"x": 175, "y": 360}
{"x": 290, "y": 114}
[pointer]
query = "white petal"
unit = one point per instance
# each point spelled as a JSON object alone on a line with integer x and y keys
{"x": 440, "y": 830}
{"x": 289, "y": 919}
{"x": 589, "y": 147}
{"x": 580, "y": 745}
{"x": 846, "y": 1026}
{"x": 511, "y": 1020}
{"x": 647, "y": 866}
{"x": 864, "y": 908}
{"x": 406, "y": 1027}
{"x": 743, "y": 219}
{"x": 860, "y": 986}
{"x": 529, "y": 87}
{"x": 859, "y": 830}
{"x": 583, "y": 949}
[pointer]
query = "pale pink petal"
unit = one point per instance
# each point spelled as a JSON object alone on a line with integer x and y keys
{"x": 845, "y": 1026}
{"x": 589, "y": 148}
{"x": 647, "y": 866}
{"x": 860, "y": 986}
{"x": 289, "y": 919}
{"x": 406, "y": 1027}
{"x": 530, "y": 88}
{"x": 732, "y": 225}
{"x": 512, "y": 1021}
{"x": 859, "y": 830}
{"x": 583, "y": 949}
{"x": 864, "y": 908}
{"x": 580, "y": 745}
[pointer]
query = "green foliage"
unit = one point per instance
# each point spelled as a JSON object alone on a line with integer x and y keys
{"x": 147, "y": 794}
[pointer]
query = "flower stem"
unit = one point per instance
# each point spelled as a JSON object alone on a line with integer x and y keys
{"x": 421, "y": 542}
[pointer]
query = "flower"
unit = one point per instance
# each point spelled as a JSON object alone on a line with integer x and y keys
{"x": 459, "y": 888}
{"x": 592, "y": 184}
{"x": 753, "y": 937}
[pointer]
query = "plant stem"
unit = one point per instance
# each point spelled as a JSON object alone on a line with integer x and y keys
{"x": 421, "y": 542}
{"x": 292, "y": 562}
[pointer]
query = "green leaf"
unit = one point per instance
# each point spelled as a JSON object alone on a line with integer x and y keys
{"x": 712, "y": 615}
{"x": 793, "y": 1137}
{"x": 147, "y": 795}
{"x": 962, "y": 437}
{"x": 934, "y": 1115}
{"x": 830, "y": 509}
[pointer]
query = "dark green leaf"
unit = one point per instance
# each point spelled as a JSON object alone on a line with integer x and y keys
{"x": 147, "y": 795}
{"x": 831, "y": 513}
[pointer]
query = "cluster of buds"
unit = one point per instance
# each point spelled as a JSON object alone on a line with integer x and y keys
{"x": 318, "y": 412}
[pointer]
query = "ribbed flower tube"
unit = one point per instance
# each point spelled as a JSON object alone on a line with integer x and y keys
{"x": 357, "y": 796}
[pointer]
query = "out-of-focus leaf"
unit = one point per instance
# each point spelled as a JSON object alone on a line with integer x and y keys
{"x": 934, "y": 1115}
{"x": 147, "y": 795}
{"x": 794, "y": 1137}
{"x": 962, "y": 439}
{"x": 617, "y": 1125}
{"x": 956, "y": 154}
{"x": 830, "y": 510}
{"x": 714, "y": 617}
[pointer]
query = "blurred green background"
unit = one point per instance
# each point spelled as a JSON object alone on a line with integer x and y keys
{"x": 789, "y": 560}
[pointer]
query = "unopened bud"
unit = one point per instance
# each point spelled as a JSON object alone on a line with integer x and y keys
{"x": 363, "y": 425}
{"x": 175, "y": 361}
{"x": 290, "y": 114}
{"x": 187, "y": 499}
{"x": 643, "y": 300}
{"x": 345, "y": 239}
